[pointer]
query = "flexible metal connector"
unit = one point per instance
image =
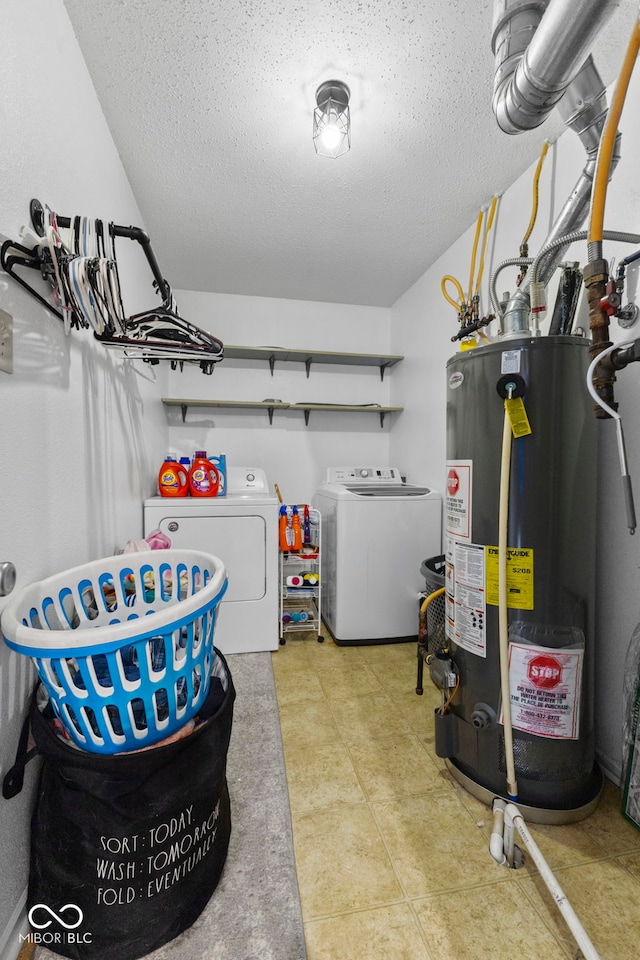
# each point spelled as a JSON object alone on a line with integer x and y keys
{"x": 493, "y": 293}
{"x": 564, "y": 241}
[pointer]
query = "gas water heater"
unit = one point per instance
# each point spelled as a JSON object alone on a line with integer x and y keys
{"x": 550, "y": 576}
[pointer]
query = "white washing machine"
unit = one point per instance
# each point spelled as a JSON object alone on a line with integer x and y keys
{"x": 242, "y": 529}
{"x": 376, "y": 532}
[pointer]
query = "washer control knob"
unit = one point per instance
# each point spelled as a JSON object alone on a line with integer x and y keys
{"x": 173, "y": 526}
{"x": 364, "y": 473}
{"x": 251, "y": 477}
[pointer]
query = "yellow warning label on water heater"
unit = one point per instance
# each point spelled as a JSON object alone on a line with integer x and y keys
{"x": 519, "y": 577}
{"x": 518, "y": 418}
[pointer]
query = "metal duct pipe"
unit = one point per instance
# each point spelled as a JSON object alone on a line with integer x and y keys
{"x": 552, "y": 68}
{"x": 539, "y": 47}
{"x": 584, "y": 110}
{"x": 570, "y": 219}
{"x": 584, "y": 106}
{"x": 515, "y": 322}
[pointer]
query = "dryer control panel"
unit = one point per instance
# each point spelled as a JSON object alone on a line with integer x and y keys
{"x": 364, "y": 475}
{"x": 244, "y": 480}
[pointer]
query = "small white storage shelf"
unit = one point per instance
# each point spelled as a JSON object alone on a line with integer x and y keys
{"x": 301, "y": 606}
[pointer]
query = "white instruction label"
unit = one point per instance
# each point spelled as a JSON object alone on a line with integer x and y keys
{"x": 466, "y": 596}
{"x": 545, "y": 688}
{"x": 510, "y": 361}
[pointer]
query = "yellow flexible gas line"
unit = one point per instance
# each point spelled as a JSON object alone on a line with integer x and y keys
{"x": 474, "y": 251}
{"x": 423, "y": 609}
{"x": 608, "y": 138}
{"x": 458, "y": 286}
{"x": 432, "y": 596}
{"x": 503, "y": 612}
{"x": 492, "y": 210}
{"x": 536, "y": 193}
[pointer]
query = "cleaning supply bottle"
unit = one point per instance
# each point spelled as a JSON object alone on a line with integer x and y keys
{"x": 306, "y": 525}
{"x": 219, "y": 461}
{"x": 172, "y": 479}
{"x": 297, "y": 530}
{"x": 186, "y": 465}
{"x": 203, "y": 476}
{"x": 283, "y": 529}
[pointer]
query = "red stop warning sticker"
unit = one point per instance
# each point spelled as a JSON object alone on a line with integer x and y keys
{"x": 545, "y": 690}
{"x": 453, "y": 483}
{"x": 458, "y": 500}
{"x": 545, "y": 672}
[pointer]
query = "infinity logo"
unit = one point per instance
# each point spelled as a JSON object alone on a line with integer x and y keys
{"x": 57, "y": 917}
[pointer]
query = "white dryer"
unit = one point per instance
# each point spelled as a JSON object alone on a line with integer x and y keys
{"x": 242, "y": 529}
{"x": 376, "y": 532}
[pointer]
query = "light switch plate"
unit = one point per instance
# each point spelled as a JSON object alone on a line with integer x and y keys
{"x": 6, "y": 342}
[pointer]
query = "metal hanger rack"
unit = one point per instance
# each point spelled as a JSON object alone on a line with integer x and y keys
{"x": 86, "y": 289}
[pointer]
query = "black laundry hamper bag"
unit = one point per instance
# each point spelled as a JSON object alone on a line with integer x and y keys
{"x": 126, "y": 850}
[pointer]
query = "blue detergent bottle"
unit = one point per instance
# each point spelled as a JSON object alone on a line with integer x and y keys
{"x": 219, "y": 461}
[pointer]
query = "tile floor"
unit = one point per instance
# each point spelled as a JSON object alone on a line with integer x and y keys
{"x": 392, "y": 854}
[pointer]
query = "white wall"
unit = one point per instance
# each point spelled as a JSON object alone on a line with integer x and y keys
{"x": 81, "y": 431}
{"x": 294, "y": 456}
{"x": 421, "y": 325}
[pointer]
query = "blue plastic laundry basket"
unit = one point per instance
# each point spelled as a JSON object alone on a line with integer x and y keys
{"x": 123, "y": 645}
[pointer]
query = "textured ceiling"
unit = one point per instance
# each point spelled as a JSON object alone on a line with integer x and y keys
{"x": 210, "y": 105}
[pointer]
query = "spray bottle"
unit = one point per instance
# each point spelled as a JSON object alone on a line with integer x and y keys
{"x": 306, "y": 525}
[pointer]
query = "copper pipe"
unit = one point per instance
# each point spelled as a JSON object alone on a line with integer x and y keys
{"x": 595, "y": 276}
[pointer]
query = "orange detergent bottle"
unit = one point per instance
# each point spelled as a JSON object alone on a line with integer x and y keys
{"x": 204, "y": 480}
{"x": 297, "y": 530}
{"x": 283, "y": 529}
{"x": 172, "y": 479}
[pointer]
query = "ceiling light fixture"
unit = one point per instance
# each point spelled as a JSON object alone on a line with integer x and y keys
{"x": 331, "y": 120}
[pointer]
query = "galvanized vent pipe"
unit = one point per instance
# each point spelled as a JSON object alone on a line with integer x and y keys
{"x": 539, "y": 46}
{"x": 542, "y": 60}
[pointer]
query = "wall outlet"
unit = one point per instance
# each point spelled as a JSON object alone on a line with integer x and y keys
{"x": 6, "y": 342}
